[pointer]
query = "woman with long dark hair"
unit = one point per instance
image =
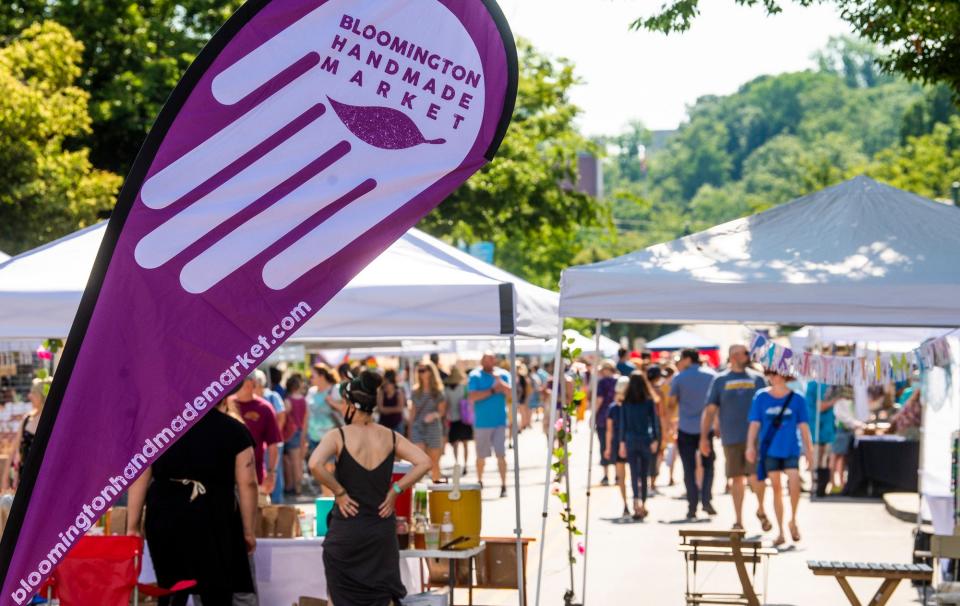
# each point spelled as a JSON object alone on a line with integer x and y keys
{"x": 611, "y": 445}
{"x": 639, "y": 436}
{"x": 360, "y": 552}
{"x": 294, "y": 434}
{"x": 391, "y": 402}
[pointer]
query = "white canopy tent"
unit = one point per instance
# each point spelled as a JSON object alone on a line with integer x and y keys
{"x": 418, "y": 288}
{"x": 681, "y": 339}
{"x": 540, "y": 348}
{"x": 882, "y": 338}
{"x": 858, "y": 253}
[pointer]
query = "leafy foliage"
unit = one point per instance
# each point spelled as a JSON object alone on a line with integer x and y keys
{"x": 522, "y": 201}
{"x": 133, "y": 55}
{"x": 47, "y": 190}
{"x": 776, "y": 138}
{"x": 563, "y": 435}
{"x": 928, "y": 164}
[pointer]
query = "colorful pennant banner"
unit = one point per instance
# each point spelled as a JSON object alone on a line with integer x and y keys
{"x": 872, "y": 369}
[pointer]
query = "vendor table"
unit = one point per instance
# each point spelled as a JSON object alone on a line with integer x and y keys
{"x": 286, "y": 569}
{"x": 891, "y": 574}
{"x": 879, "y": 464}
{"x": 452, "y": 556}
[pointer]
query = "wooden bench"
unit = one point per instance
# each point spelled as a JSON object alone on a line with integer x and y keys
{"x": 723, "y": 546}
{"x": 891, "y": 574}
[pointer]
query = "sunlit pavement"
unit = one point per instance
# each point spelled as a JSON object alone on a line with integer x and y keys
{"x": 639, "y": 563}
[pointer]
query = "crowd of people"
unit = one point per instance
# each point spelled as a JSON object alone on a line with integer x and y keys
{"x": 651, "y": 414}
{"x": 338, "y": 430}
{"x": 272, "y": 435}
{"x": 288, "y": 415}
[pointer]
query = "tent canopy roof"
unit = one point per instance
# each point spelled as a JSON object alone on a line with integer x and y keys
{"x": 681, "y": 339}
{"x": 860, "y": 252}
{"x": 419, "y": 287}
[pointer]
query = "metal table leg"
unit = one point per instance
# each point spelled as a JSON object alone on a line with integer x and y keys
{"x": 453, "y": 579}
{"x": 470, "y": 583}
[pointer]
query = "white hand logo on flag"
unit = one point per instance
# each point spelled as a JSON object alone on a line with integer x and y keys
{"x": 366, "y": 136}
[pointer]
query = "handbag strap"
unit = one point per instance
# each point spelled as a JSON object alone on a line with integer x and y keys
{"x": 775, "y": 426}
{"x": 786, "y": 404}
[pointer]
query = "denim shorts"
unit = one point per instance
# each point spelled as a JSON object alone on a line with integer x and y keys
{"x": 842, "y": 442}
{"x": 781, "y": 463}
{"x": 294, "y": 441}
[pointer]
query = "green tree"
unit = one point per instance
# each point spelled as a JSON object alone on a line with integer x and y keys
{"x": 923, "y": 36}
{"x": 936, "y": 107}
{"x": 628, "y": 161}
{"x": 47, "y": 190}
{"x": 777, "y": 138}
{"x": 854, "y": 59}
{"x": 522, "y": 201}
{"x": 812, "y": 109}
{"x": 134, "y": 54}
{"x": 927, "y": 165}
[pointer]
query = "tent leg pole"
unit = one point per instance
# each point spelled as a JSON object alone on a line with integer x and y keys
{"x": 557, "y": 366}
{"x": 516, "y": 467}
{"x": 594, "y": 380}
{"x": 816, "y": 447}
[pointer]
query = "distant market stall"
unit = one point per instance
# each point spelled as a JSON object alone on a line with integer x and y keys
{"x": 419, "y": 288}
{"x": 858, "y": 253}
{"x": 685, "y": 339}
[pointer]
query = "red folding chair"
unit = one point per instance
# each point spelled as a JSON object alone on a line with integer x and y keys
{"x": 105, "y": 571}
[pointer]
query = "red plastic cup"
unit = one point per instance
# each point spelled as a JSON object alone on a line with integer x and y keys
{"x": 404, "y": 499}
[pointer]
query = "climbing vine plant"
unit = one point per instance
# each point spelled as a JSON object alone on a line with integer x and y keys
{"x": 561, "y": 455}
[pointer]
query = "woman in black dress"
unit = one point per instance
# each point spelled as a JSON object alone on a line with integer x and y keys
{"x": 196, "y": 526}
{"x": 360, "y": 552}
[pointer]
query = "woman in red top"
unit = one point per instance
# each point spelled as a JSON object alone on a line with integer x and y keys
{"x": 294, "y": 435}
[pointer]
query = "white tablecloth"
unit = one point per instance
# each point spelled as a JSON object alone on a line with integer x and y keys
{"x": 289, "y": 568}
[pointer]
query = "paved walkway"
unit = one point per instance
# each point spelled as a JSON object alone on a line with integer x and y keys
{"x": 639, "y": 564}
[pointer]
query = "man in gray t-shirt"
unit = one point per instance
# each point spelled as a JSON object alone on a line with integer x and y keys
{"x": 689, "y": 389}
{"x": 731, "y": 394}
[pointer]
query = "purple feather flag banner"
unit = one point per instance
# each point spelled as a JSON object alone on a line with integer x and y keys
{"x": 306, "y": 138}
{"x": 874, "y": 368}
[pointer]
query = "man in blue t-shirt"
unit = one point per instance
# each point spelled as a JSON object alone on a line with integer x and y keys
{"x": 487, "y": 389}
{"x": 689, "y": 389}
{"x": 731, "y": 396}
{"x": 778, "y": 423}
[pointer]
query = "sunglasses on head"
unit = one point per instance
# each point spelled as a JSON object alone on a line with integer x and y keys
{"x": 423, "y": 370}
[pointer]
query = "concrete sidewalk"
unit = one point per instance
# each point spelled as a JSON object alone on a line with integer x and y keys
{"x": 638, "y": 563}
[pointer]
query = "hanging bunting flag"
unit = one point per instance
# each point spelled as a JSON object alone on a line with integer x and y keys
{"x": 305, "y": 138}
{"x": 847, "y": 370}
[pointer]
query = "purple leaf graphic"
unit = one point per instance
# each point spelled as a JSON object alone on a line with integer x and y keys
{"x": 381, "y": 127}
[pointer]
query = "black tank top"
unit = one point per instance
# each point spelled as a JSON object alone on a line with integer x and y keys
{"x": 367, "y": 487}
{"x": 391, "y": 419}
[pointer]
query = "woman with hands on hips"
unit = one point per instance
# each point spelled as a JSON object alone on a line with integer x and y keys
{"x": 360, "y": 552}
